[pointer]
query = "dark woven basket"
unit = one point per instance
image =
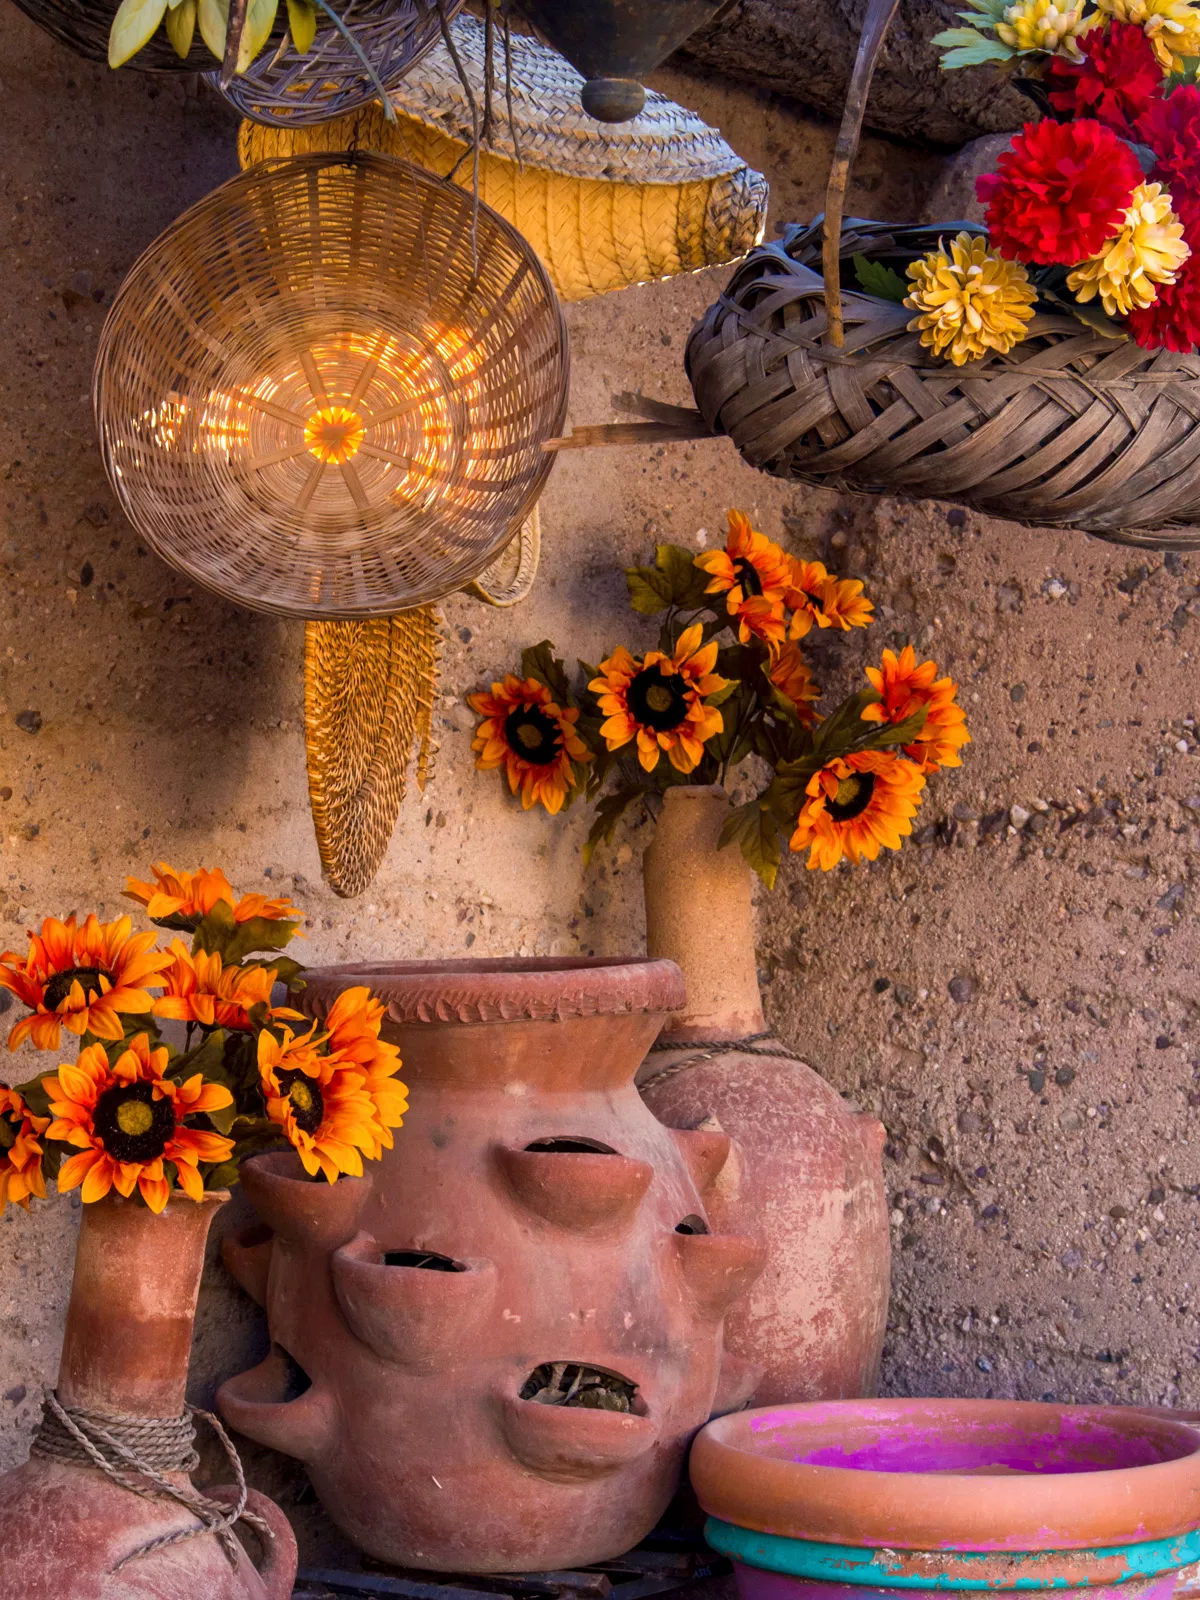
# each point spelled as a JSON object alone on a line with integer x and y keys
{"x": 828, "y": 386}
{"x": 83, "y": 26}
{"x": 286, "y": 90}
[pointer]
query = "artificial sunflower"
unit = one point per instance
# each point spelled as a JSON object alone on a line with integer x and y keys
{"x": 857, "y": 804}
{"x": 660, "y": 701}
{"x": 128, "y": 1122}
{"x": 532, "y": 737}
{"x": 790, "y": 674}
{"x": 753, "y": 574}
{"x": 183, "y": 899}
{"x": 84, "y": 979}
{"x": 199, "y": 987}
{"x": 818, "y": 597}
{"x": 20, "y": 1150}
{"x": 352, "y": 1024}
{"x": 904, "y": 688}
{"x": 319, "y": 1102}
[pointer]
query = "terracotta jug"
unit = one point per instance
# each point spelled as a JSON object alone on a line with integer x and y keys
{"x": 535, "y": 1232}
{"x": 805, "y": 1174}
{"x": 853, "y": 1500}
{"x": 69, "y": 1530}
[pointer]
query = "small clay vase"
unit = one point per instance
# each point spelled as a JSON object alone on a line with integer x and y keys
{"x": 533, "y": 1218}
{"x": 125, "y": 1352}
{"x": 853, "y": 1500}
{"x": 805, "y": 1174}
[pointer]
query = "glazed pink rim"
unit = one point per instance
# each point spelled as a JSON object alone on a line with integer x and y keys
{"x": 745, "y": 1470}
{"x": 534, "y": 989}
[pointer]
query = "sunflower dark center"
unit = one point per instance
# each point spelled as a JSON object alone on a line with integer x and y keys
{"x": 533, "y": 735}
{"x": 304, "y": 1095}
{"x": 658, "y": 699}
{"x": 852, "y": 798}
{"x": 9, "y": 1129}
{"x": 747, "y": 576}
{"x": 59, "y": 987}
{"x": 131, "y": 1124}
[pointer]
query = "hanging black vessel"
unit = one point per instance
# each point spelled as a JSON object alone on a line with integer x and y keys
{"x": 615, "y": 43}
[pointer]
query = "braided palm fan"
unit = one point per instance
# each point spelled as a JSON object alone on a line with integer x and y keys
{"x": 604, "y": 208}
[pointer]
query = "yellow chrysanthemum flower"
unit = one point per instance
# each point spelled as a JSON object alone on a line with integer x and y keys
{"x": 1149, "y": 250}
{"x": 1050, "y": 25}
{"x": 1172, "y": 26}
{"x": 970, "y": 300}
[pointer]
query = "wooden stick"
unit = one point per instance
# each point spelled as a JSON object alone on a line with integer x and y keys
{"x": 879, "y": 15}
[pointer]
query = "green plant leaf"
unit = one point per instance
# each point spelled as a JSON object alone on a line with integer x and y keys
{"x": 752, "y": 827}
{"x": 181, "y": 30}
{"x": 842, "y": 730}
{"x": 540, "y": 662}
{"x": 649, "y": 591}
{"x": 609, "y": 812}
{"x": 237, "y": 940}
{"x": 260, "y": 19}
{"x": 965, "y": 47}
{"x": 879, "y": 280}
{"x": 35, "y": 1096}
{"x": 673, "y": 580}
{"x": 884, "y": 734}
{"x": 212, "y": 18}
{"x": 302, "y": 25}
{"x": 223, "y": 1176}
{"x": 133, "y": 26}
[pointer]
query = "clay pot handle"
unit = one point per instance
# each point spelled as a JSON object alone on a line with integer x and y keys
{"x": 879, "y": 15}
{"x": 279, "y": 1554}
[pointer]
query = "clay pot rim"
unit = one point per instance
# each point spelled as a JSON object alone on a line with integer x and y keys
{"x": 505, "y": 989}
{"x": 932, "y": 1511}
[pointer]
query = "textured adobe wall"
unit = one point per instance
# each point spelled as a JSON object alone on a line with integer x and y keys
{"x": 1021, "y": 1002}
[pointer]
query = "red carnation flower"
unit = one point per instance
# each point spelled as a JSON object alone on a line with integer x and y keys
{"x": 1061, "y": 191}
{"x": 1118, "y": 80}
{"x": 1172, "y": 130}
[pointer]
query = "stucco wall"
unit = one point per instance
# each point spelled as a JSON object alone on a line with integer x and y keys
{"x": 1019, "y": 1006}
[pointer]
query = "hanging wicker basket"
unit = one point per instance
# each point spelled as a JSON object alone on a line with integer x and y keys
{"x": 83, "y": 26}
{"x": 824, "y": 384}
{"x": 604, "y": 207}
{"x": 318, "y": 395}
{"x": 287, "y": 90}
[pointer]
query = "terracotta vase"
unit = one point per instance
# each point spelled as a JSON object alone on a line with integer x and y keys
{"x": 805, "y": 1174}
{"x": 66, "y": 1526}
{"x": 532, "y": 1212}
{"x": 856, "y": 1500}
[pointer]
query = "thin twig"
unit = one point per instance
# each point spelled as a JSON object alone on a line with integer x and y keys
{"x": 508, "y": 94}
{"x": 489, "y": 57}
{"x": 234, "y": 25}
{"x": 388, "y": 109}
{"x": 452, "y": 51}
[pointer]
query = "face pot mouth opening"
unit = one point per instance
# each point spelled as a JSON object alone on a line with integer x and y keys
{"x": 424, "y": 1260}
{"x": 579, "y": 1385}
{"x": 570, "y": 1144}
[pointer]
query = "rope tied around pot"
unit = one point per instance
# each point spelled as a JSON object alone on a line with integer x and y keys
{"x": 710, "y": 1049}
{"x": 135, "y": 1453}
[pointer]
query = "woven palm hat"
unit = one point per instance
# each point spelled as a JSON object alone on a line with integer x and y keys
{"x": 604, "y": 206}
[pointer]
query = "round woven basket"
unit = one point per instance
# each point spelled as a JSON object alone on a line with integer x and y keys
{"x": 603, "y": 206}
{"x": 83, "y": 26}
{"x": 318, "y": 396}
{"x": 287, "y": 90}
{"x": 814, "y": 380}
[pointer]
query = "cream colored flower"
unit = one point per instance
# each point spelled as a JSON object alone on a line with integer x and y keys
{"x": 1149, "y": 250}
{"x": 970, "y": 300}
{"x": 1172, "y": 26}
{"x": 1050, "y": 25}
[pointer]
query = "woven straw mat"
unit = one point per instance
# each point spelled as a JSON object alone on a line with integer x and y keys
{"x": 603, "y": 206}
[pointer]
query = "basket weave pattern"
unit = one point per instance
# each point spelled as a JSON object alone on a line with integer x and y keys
{"x": 285, "y": 89}
{"x": 310, "y": 401}
{"x": 1069, "y": 429}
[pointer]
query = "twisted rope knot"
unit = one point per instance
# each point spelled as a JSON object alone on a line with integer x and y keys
{"x": 135, "y": 1453}
{"x": 710, "y": 1049}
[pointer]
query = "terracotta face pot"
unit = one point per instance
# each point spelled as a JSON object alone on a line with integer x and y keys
{"x": 533, "y": 1225}
{"x": 125, "y": 1352}
{"x": 805, "y": 1173}
{"x": 842, "y": 1501}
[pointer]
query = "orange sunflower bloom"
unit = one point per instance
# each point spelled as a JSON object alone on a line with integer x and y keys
{"x": 183, "y": 899}
{"x": 20, "y": 1151}
{"x": 533, "y": 738}
{"x": 659, "y": 700}
{"x": 319, "y": 1102}
{"x": 904, "y": 688}
{"x": 128, "y": 1123}
{"x": 753, "y": 574}
{"x": 790, "y": 674}
{"x": 817, "y": 597}
{"x": 856, "y": 805}
{"x": 353, "y": 1023}
{"x": 201, "y": 988}
{"x": 82, "y": 979}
